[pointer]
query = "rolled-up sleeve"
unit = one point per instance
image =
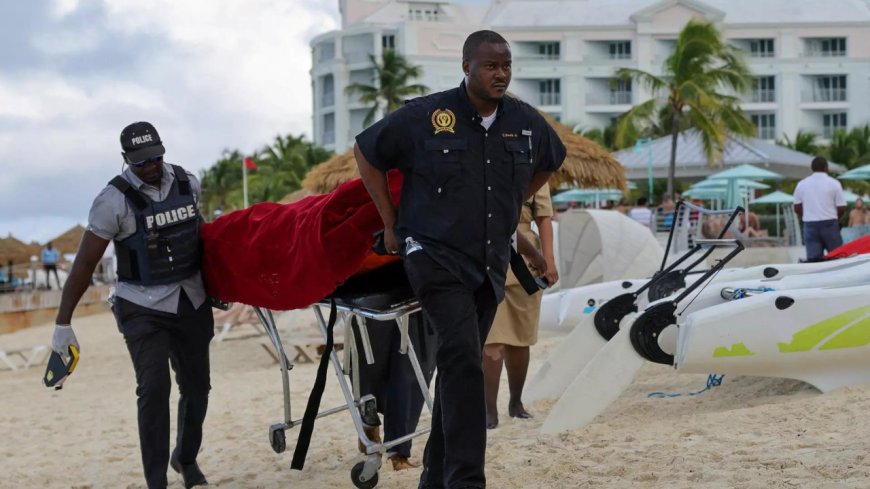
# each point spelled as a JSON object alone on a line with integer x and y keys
{"x": 104, "y": 218}
{"x": 543, "y": 203}
{"x": 551, "y": 151}
{"x": 387, "y": 144}
{"x": 840, "y": 197}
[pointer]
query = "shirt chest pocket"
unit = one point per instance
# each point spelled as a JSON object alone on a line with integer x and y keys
{"x": 442, "y": 160}
{"x": 518, "y": 154}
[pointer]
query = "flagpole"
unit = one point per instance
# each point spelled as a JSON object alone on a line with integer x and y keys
{"x": 245, "y": 182}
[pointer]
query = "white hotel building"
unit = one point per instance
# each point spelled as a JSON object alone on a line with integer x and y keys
{"x": 811, "y": 57}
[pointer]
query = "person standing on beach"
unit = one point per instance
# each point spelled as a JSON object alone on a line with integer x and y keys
{"x": 50, "y": 257}
{"x": 151, "y": 213}
{"x": 470, "y": 157}
{"x": 820, "y": 203}
{"x": 515, "y": 327}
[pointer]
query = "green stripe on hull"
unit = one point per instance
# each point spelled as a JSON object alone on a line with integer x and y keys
{"x": 737, "y": 350}
{"x": 854, "y": 337}
{"x": 809, "y": 338}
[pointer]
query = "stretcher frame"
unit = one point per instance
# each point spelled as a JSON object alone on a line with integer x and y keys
{"x": 365, "y": 473}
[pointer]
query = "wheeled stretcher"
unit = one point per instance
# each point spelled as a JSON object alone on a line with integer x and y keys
{"x": 382, "y": 295}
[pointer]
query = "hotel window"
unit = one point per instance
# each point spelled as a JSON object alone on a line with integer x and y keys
{"x": 761, "y": 48}
{"x": 764, "y": 89}
{"x": 388, "y": 41}
{"x": 328, "y": 134}
{"x": 620, "y": 92}
{"x": 829, "y": 88}
{"x": 827, "y": 47}
{"x": 833, "y": 122}
{"x": 325, "y": 51}
{"x": 327, "y": 96}
{"x": 765, "y": 125}
{"x": 423, "y": 14}
{"x": 548, "y": 50}
{"x": 620, "y": 49}
{"x": 549, "y": 92}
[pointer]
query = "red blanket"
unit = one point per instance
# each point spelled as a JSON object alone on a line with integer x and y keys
{"x": 859, "y": 246}
{"x": 290, "y": 256}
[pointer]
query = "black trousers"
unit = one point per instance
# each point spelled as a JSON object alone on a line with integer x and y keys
{"x": 157, "y": 340}
{"x": 49, "y": 268}
{"x": 456, "y": 451}
{"x": 391, "y": 378}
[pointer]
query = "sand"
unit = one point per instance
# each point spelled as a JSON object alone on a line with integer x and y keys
{"x": 747, "y": 433}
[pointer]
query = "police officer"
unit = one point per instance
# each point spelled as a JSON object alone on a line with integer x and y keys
{"x": 470, "y": 157}
{"x": 150, "y": 213}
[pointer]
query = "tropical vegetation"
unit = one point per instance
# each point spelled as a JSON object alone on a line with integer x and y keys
{"x": 392, "y": 85}
{"x": 280, "y": 168}
{"x": 695, "y": 90}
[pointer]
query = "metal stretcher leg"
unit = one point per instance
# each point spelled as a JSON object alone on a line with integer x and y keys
{"x": 365, "y": 473}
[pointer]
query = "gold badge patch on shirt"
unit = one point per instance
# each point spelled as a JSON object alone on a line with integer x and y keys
{"x": 443, "y": 121}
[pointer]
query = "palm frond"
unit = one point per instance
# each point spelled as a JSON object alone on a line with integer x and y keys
{"x": 633, "y": 123}
{"x": 645, "y": 79}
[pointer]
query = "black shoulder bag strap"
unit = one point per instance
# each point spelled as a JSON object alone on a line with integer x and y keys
{"x": 313, "y": 406}
{"x": 521, "y": 271}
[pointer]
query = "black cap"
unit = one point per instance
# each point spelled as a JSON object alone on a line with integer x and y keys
{"x": 140, "y": 142}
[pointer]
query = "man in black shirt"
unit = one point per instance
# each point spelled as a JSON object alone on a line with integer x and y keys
{"x": 470, "y": 157}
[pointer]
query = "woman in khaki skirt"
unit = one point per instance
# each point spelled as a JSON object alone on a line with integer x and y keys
{"x": 515, "y": 327}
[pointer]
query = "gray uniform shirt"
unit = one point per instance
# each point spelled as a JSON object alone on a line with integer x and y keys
{"x": 112, "y": 218}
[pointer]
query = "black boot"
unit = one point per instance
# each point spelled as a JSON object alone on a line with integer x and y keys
{"x": 190, "y": 473}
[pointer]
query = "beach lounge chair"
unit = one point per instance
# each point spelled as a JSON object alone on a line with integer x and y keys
{"x": 237, "y": 315}
{"x": 22, "y": 358}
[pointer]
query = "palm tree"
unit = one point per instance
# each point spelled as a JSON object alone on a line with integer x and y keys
{"x": 392, "y": 84}
{"x": 281, "y": 167}
{"x": 691, "y": 92}
{"x": 805, "y": 142}
{"x": 220, "y": 180}
{"x": 860, "y": 137}
{"x": 841, "y": 149}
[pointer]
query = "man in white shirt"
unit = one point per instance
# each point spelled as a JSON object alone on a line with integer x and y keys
{"x": 819, "y": 202}
{"x": 641, "y": 213}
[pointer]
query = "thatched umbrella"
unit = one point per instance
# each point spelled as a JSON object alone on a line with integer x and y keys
{"x": 328, "y": 175}
{"x": 17, "y": 251}
{"x": 587, "y": 165}
{"x": 68, "y": 242}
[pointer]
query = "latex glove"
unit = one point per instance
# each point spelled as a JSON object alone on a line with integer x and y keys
{"x": 63, "y": 337}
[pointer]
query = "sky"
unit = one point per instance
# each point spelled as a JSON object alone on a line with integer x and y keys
{"x": 209, "y": 74}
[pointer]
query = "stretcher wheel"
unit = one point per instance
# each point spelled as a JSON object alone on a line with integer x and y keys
{"x": 356, "y": 473}
{"x": 277, "y": 438}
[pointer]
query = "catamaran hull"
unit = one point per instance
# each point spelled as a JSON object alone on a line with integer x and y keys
{"x": 819, "y": 336}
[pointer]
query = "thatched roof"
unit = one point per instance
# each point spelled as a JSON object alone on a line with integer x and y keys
{"x": 328, "y": 175}
{"x": 68, "y": 242}
{"x": 17, "y": 251}
{"x": 587, "y": 165}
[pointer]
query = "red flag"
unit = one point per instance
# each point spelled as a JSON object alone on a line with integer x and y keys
{"x": 249, "y": 164}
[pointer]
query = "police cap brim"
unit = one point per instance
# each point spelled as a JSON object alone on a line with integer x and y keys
{"x": 143, "y": 154}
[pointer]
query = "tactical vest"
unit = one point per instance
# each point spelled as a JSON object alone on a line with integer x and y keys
{"x": 165, "y": 247}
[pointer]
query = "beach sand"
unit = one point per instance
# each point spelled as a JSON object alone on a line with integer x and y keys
{"x": 747, "y": 433}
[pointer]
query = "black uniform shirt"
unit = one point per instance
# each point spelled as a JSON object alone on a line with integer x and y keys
{"x": 463, "y": 185}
